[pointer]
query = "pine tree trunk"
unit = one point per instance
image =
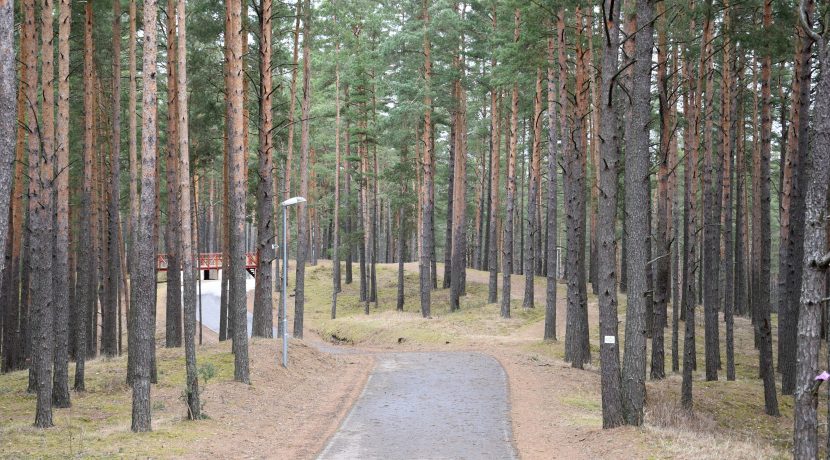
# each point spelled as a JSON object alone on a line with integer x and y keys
{"x": 335, "y": 252}
{"x": 553, "y": 207}
{"x": 109, "y": 317}
{"x": 132, "y": 114}
{"x": 189, "y": 271}
{"x": 637, "y": 191}
{"x": 711, "y": 246}
{"x": 791, "y": 247}
{"x": 60, "y": 280}
{"x": 172, "y": 231}
{"x": 729, "y": 117}
{"x": 761, "y": 246}
{"x": 663, "y": 231}
{"x": 451, "y": 176}
{"x": 690, "y": 228}
{"x": 495, "y": 161}
{"x": 816, "y": 257}
{"x": 303, "y": 221}
{"x": 292, "y": 102}
{"x": 608, "y": 175}
{"x": 142, "y": 289}
{"x": 427, "y": 239}
{"x": 86, "y": 294}
{"x": 534, "y": 184}
{"x": 510, "y": 202}
{"x": 237, "y": 192}
{"x": 263, "y": 320}
{"x": 8, "y": 105}
{"x": 577, "y": 346}
{"x": 459, "y": 246}
{"x": 40, "y": 221}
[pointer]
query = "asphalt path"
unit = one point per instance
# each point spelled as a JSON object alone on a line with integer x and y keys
{"x": 451, "y": 405}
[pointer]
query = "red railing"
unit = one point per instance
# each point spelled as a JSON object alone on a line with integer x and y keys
{"x": 210, "y": 261}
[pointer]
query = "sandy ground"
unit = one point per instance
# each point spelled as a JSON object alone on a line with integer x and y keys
{"x": 284, "y": 413}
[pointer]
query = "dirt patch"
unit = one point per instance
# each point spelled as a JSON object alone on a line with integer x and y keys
{"x": 291, "y": 411}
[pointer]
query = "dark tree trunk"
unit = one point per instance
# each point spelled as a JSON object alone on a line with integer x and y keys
{"x": 263, "y": 320}
{"x": 816, "y": 258}
{"x": 761, "y": 232}
{"x": 510, "y": 202}
{"x": 791, "y": 249}
{"x": 553, "y": 208}
{"x": 612, "y": 406}
{"x": 173, "y": 320}
{"x": 448, "y": 241}
{"x": 534, "y": 249}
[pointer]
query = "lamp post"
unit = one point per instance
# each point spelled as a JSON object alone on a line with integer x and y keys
{"x": 285, "y": 204}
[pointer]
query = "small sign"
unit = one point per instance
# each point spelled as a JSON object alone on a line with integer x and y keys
{"x": 610, "y": 339}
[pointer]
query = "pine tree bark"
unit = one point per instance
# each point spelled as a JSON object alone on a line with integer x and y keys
{"x": 427, "y": 232}
{"x": 728, "y": 128}
{"x": 8, "y": 105}
{"x": 577, "y": 345}
{"x": 132, "y": 116}
{"x": 189, "y": 271}
{"x": 711, "y": 222}
{"x": 303, "y": 221}
{"x": 237, "y": 191}
{"x": 791, "y": 247}
{"x": 60, "y": 280}
{"x": 612, "y": 406}
{"x": 495, "y": 176}
{"x": 690, "y": 227}
{"x": 637, "y": 190}
{"x": 510, "y": 201}
{"x": 142, "y": 289}
{"x": 816, "y": 258}
{"x": 553, "y": 207}
{"x": 86, "y": 294}
{"x": 761, "y": 231}
{"x": 534, "y": 185}
{"x": 446, "y": 282}
{"x": 40, "y": 221}
{"x": 109, "y": 317}
{"x": 172, "y": 230}
{"x": 663, "y": 231}
{"x": 459, "y": 246}
{"x": 266, "y": 227}
{"x": 335, "y": 251}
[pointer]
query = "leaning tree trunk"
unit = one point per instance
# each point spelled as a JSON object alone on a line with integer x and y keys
{"x": 142, "y": 290}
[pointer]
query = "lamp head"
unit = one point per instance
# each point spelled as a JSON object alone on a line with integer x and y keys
{"x": 293, "y": 201}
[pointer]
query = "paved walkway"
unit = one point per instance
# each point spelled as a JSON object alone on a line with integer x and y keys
{"x": 428, "y": 406}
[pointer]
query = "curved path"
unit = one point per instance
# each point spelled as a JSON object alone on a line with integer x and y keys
{"x": 428, "y": 406}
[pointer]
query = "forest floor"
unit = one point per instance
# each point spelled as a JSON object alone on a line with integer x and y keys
{"x": 555, "y": 410}
{"x": 290, "y": 411}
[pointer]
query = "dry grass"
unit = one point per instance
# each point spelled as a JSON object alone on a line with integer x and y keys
{"x": 728, "y": 417}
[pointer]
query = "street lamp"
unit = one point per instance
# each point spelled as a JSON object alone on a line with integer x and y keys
{"x": 285, "y": 204}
